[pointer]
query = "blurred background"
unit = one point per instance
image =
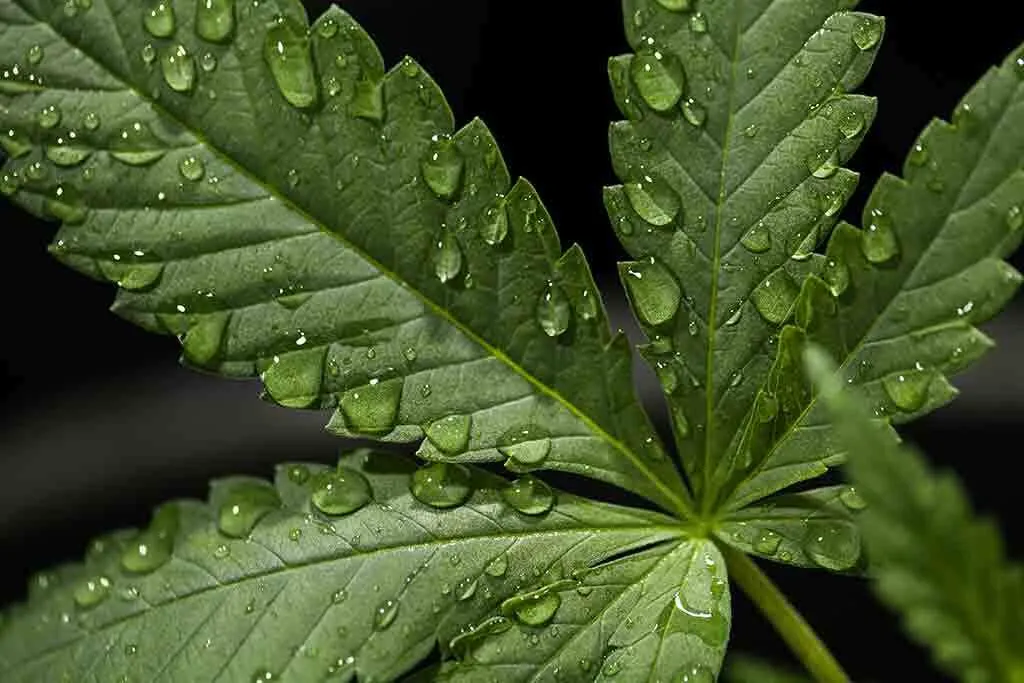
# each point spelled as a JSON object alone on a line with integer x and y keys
{"x": 98, "y": 423}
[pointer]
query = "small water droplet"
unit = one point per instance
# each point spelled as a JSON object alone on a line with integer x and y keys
{"x": 222, "y": 552}
{"x": 867, "y": 33}
{"x": 442, "y": 485}
{"x": 750, "y": 131}
{"x": 447, "y": 255}
{"x": 92, "y": 591}
{"x": 832, "y": 545}
{"x": 262, "y": 676}
{"x": 676, "y": 5}
{"x": 442, "y": 167}
{"x": 49, "y": 117}
{"x": 67, "y": 155}
{"x": 694, "y": 113}
{"x": 878, "y": 241}
{"x": 136, "y": 145}
{"x": 215, "y": 20}
{"x": 450, "y": 434}
{"x": 554, "y": 312}
{"x": 767, "y": 542}
{"x": 372, "y": 409}
{"x": 918, "y": 155}
{"x": 298, "y": 474}
{"x": 851, "y": 499}
{"x": 35, "y": 54}
{"x": 208, "y": 62}
{"x": 659, "y": 78}
{"x": 287, "y": 54}
{"x": 529, "y": 495}
{"x": 908, "y": 390}
{"x": 759, "y": 239}
{"x": 243, "y": 507}
{"x": 851, "y": 125}
{"x": 837, "y": 276}
{"x": 466, "y": 589}
{"x": 1015, "y": 218}
{"x": 824, "y": 164}
{"x": 774, "y": 297}
{"x": 158, "y": 18}
{"x": 497, "y": 567}
{"x": 91, "y": 121}
{"x": 535, "y": 608}
{"x": 527, "y": 445}
{"x": 699, "y": 23}
{"x": 494, "y": 225}
{"x": 655, "y": 293}
{"x": 385, "y": 615}
{"x": 341, "y": 492}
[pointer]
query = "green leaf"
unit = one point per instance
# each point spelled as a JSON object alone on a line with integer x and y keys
{"x": 262, "y": 581}
{"x": 747, "y": 669}
{"x": 897, "y": 302}
{"x": 291, "y": 210}
{"x": 814, "y": 528}
{"x": 739, "y": 119}
{"x": 936, "y": 562}
{"x": 663, "y": 614}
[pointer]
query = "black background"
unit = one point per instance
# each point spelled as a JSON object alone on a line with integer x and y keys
{"x": 98, "y": 423}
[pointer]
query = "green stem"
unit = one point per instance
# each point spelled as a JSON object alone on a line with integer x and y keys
{"x": 790, "y": 624}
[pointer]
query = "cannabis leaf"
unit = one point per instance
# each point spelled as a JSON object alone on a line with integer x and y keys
{"x": 739, "y": 120}
{"x": 270, "y": 194}
{"x": 939, "y": 565}
{"x": 346, "y": 571}
{"x": 897, "y": 302}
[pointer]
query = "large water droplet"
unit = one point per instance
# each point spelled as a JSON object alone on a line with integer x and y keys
{"x": 286, "y": 52}
{"x": 654, "y": 200}
{"x": 494, "y": 225}
{"x": 824, "y": 164}
{"x": 535, "y": 608}
{"x": 192, "y": 168}
{"x": 244, "y": 506}
{"x": 851, "y": 499}
{"x": 655, "y": 292}
{"x": 442, "y": 485}
{"x": 92, "y": 591}
{"x": 529, "y": 495}
{"x": 832, "y": 545}
{"x": 878, "y": 241}
{"x": 372, "y": 409}
{"x": 450, "y": 434}
{"x": 767, "y": 542}
{"x": 837, "y": 276}
{"x": 134, "y": 277}
{"x": 867, "y": 33}
{"x": 908, "y": 390}
{"x": 136, "y": 145}
{"x": 443, "y": 167}
{"x": 341, "y": 492}
{"x": 851, "y": 125}
{"x": 385, "y": 615}
{"x": 498, "y": 566}
{"x": 49, "y": 117}
{"x": 527, "y": 445}
{"x": 215, "y": 19}
{"x": 447, "y": 255}
{"x": 676, "y": 5}
{"x": 158, "y": 18}
{"x": 67, "y": 155}
{"x": 659, "y": 78}
{"x": 758, "y": 239}
{"x": 707, "y": 623}
{"x": 151, "y": 549}
{"x": 179, "y": 68}
{"x": 553, "y": 310}
{"x": 774, "y": 297}
{"x": 694, "y": 113}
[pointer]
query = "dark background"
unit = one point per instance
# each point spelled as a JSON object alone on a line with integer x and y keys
{"x": 98, "y": 423}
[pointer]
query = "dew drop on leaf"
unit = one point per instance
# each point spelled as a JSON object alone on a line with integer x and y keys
{"x": 192, "y": 168}
{"x": 34, "y": 55}
{"x": 654, "y": 201}
{"x": 693, "y": 112}
{"x": 298, "y": 474}
{"x": 15, "y": 144}
{"x": 497, "y": 567}
{"x": 244, "y": 506}
{"x": 450, "y": 434}
{"x": 851, "y": 499}
{"x": 442, "y": 485}
{"x": 494, "y": 223}
{"x": 215, "y": 20}
{"x": 1015, "y": 218}
{"x": 447, "y": 255}
{"x": 286, "y": 52}
{"x": 136, "y": 145}
{"x": 553, "y": 310}
{"x": 152, "y": 548}
{"x": 158, "y": 18}
{"x": 527, "y": 445}
{"x": 832, "y": 545}
{"x": 208, "y": 62}
{"x": 533, "y": 609}
{"x": 824, "y": 164}
{"x": 837, "y": 276}
{"x": 67, "y": 156}
{"x": 659, "y": 78}
{"x": 655, "y": 292}
{"x": 867, "y": 33}
{"x": 767, "y": 542}
{"x": 49, "y": 117}
{"x": 179, "y": 68}
{"x": 92, "y": 591}
{"x": 908, "y": 390}
{"x": 442, "y": 167}
{"x": 676, "y": 5}
{"x": 466, "y": 589}
{"x": 341, "y": 492}
{"x": 372, "y": 409}
{"x": 529, "y": 495}
{"x": 699, "y": 23}
{"x": 758, "y": 240}
{"x": 204, "y": 340}
{"x": 774, "y": 297}
{"x": 878, "y": 240}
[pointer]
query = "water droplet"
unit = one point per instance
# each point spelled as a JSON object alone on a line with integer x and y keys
{"x": 699, "y": 23}
{"x": 152, "y": 548}
{"x": 851, "y": 125}
{"x": 837, "y": 276}
{"x": 694, "y": 113}
{"x": 659, "y": 78}
{"x": 447, "y": 255}
{"x": 192, "y": 168}
{"x": 262, "y": 676}
{"x": 553, "y": 310}
{"x": 497, "y": 567}
{"x": 442, "y": 485}
{"x": 450, "y": 434}
{"x": 774, "y": 297}
{"x": 208, "y": 62}
{"x": 15, "y": 144}
{"x": 67, "y": 155}
{"x": 372, "y": 409}
{"x": 535, "y": 608}
{"x": 767, "y": 542}
{"x": 215, "y": 20}
{"x": 35, "y": 54}
{"x": 918, "y": 155}
{"x": 49, "y": 117}
{"x": 758, "y": 239}
{"x": 675, "y": 5}
{"x": 527, "y": 445}
{"x": 832, "y": 545}
{"x": 655, "y": 292}
{"x": 824, "y": 164}
{"x": 750, "y": 131}
{"x": 158, "y": 18}
{"x": 443, "y": 167}
{"x": 908, "y": 390}
{"x": 878, "y": 241}
{"x": 92, "y": 592}
{"x": 205, "y": 338}
{"x": 851, "y": 499}
{"x": 136, "y": 145}
{"x": 298, "y": 474}
{"x": 867, "y": 33}
{"x": 494, "y": 225}
{"x": 466, "y": 589}
{"x": 1015, "y": 218}
{"x": 529, "y": 495}
{"x": 654, "y": 200}
{"x": 341, "y": 492}
{"x": 286, "y": 52}
{"x": 179, "y": 68}
{"x": 243, "y": 507}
